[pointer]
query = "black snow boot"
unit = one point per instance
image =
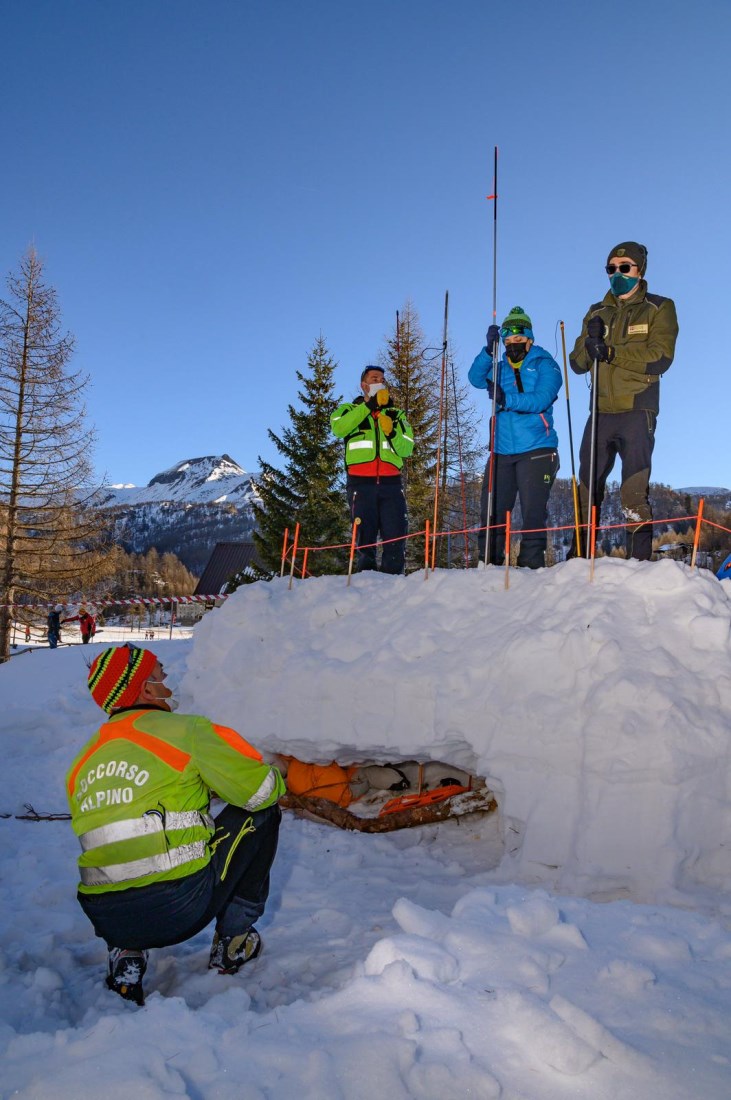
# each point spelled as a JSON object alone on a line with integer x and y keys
{"x": 126, "y": 971}
{"x": 230, "y": 953}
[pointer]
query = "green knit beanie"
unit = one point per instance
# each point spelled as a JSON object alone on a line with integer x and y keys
{"x": 518, "y": 318}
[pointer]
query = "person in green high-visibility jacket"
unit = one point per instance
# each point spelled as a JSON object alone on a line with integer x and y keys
{"x": 155, "y": 867}
{"x": 378, "y": 438}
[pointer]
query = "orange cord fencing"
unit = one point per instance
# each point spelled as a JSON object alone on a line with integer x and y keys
{"x": 291, "y": 549}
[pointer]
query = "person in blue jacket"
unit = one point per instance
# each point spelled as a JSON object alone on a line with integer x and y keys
{"x": 525, "y": 445}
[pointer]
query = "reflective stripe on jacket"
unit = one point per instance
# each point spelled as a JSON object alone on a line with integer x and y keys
{"x": 364, "y": 440}
{"x": 140, "y": 790}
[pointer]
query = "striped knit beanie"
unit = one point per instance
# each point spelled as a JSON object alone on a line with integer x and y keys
{"x": 117, "y": 675}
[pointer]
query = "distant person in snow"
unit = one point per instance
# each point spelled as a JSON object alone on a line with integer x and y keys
{"x": 155, "y": 867}
{"x": 378, "y": 438}
{"x": 631, "y": 335}
{"x": 87, "y": 625}
{"x": 53, "y": 622}
{"x": 525, "y": 459}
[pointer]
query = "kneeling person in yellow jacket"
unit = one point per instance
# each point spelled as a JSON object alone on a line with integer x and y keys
{"x": 155, "y": 867}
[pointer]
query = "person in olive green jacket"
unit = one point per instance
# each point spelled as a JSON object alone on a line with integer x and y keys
{"x": 631, "y": 335}
{"x": 155, "y": 867}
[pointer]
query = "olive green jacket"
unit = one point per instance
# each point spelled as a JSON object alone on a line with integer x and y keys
{"x": 642, "y": 330}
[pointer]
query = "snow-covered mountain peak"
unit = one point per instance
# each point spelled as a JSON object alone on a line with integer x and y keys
{"x": 212, "y": 478}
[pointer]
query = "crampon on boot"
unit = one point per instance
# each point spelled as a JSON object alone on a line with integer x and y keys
{"x": 230, "y": 953}
{"x": 126, "y": 969}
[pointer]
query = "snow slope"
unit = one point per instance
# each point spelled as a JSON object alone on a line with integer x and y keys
{"x": 466, "y": 960}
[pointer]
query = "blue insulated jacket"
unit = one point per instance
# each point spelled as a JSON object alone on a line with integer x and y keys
{"x": 526, "y": 422}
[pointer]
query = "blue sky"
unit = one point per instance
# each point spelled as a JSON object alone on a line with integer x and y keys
{"x": 213, "y": 184}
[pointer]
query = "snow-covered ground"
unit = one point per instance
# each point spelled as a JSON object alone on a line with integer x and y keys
{"x": 575, "y": 944}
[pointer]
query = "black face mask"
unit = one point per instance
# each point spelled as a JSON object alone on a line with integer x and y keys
{"x": 516, "y": 352}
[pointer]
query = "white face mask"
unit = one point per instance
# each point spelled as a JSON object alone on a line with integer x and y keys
{"x": 171, "y": 700}
{"x": 375, "y": 387}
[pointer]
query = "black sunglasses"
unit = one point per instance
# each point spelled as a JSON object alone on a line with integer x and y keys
{"x": 624, "y": 268}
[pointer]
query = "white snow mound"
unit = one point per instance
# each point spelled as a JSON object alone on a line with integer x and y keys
{"x": 597, "y": 710}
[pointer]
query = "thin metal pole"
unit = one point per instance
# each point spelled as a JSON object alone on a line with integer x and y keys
{"x": 495, "y": 360}
{"x": 592, "y": 456}
{"x": 461, "y": 470}
{"x": 442, "y": 390}
{"x": 574, "y": 486}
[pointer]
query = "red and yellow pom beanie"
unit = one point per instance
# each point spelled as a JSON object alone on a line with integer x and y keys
{"x": 117, "y": 675}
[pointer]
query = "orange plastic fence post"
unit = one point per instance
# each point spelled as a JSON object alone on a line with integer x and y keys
{"x": 304, "y": 562}
{"x": 507, "y": 549}
{"x": 294, "y": 553}
{"x": 697, "y": 535}
{"x": 356, "y": 524}
{"x": 592, "y": 541}
{"x": 284, "y": 550}
{"x": 426, "y": 552}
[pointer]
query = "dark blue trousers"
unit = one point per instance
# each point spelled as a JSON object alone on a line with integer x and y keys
{"x": 380, "y": 505}
{"x": 165, "y": 913}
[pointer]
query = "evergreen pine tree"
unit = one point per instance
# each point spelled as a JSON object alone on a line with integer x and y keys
{"x": 310, "y": 489}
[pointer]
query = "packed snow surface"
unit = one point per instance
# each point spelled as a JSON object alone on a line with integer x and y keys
{"x": 576, "y": 943}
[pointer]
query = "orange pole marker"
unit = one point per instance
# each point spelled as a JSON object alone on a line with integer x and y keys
{"x": 353, "y": 537}
{"x": 426, "y": 553}
{"x": 284, "y": 550}
{"x": 507, "y": 549}
{"x": 697, "y": 535}
{"x": 294, "y": 553}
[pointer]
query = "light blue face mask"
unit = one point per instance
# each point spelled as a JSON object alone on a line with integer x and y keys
{"x": 622, "y": 284}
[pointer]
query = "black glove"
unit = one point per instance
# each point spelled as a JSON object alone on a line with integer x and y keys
{"x": 597, "y": 349}
{"x": 497, "y": 391}
{"x": 594, "y": 342}
{"x": 492, "y": 339}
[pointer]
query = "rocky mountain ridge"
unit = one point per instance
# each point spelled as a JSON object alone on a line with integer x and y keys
{"x": 185, "y": 510}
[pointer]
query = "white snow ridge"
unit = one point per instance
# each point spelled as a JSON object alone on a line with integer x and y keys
{"x": 574, "y": 944}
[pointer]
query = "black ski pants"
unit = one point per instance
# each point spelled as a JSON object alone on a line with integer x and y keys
{"x": 233, "y": 888}
{"x": 380, "y": 505}
{"x": 631, "y": 435}
{"x": 528, "y": 476}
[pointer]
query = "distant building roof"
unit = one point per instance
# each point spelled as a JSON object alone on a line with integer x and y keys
{"x": 227, "y": 559}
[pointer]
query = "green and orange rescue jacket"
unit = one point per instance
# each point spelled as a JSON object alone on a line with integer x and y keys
{"x": 140, "y": 790}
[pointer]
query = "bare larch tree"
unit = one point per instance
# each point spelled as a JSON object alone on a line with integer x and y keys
{"x": 50, "y": 537}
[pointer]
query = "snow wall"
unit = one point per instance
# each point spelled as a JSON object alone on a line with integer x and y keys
{"x": 598, "y": 711}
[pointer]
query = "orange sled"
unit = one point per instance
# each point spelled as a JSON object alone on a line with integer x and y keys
{"x": 426, "y": 798}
